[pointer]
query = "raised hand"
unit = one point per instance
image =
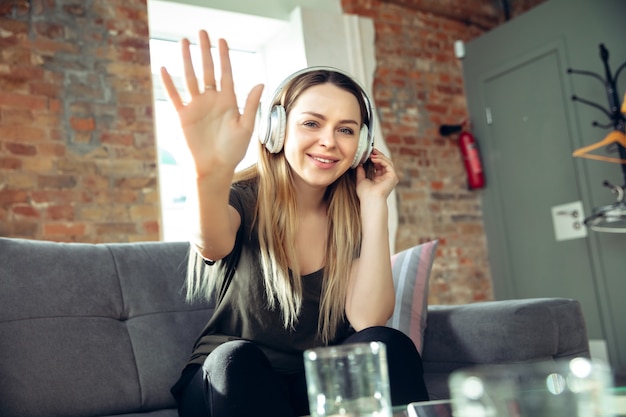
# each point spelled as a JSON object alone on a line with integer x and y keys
{"x": 216, "y": 133}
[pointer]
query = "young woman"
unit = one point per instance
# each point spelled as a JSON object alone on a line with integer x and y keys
{"x": 293, "y": 250}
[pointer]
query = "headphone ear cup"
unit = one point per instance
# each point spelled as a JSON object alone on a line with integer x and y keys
{"x": 364, "y": 148}
{"x": 275, "y": 137}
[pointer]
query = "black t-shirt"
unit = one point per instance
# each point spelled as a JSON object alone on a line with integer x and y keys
{"x": 242, "y": 310}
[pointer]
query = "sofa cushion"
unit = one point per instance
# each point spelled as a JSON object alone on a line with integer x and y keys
{"x": 411, "y": 274}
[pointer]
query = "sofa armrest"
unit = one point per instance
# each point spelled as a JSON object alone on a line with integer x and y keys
{"x": 506, "y": 331}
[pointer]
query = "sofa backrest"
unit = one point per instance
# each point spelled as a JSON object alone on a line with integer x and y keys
{"x": 505, "y": 331}
{"x": 92, "y": 329}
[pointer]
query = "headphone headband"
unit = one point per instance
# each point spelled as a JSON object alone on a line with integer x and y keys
{"x": 272, "y": 135}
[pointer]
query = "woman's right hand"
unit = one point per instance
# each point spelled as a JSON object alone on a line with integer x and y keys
{"x": 216, "y": 133}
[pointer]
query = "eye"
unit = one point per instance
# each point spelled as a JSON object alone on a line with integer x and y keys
{"x": 346, "y": 131}
{"x": 310, "y": 123}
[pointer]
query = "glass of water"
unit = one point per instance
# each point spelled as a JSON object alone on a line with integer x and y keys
{"x": 349, "y": 380}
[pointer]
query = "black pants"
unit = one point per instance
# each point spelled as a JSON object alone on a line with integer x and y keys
{"x": 238, "y": 380}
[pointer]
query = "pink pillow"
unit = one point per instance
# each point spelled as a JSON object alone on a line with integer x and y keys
{"x": 411, "y": 273}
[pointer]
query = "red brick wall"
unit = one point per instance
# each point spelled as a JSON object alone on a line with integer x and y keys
{"x": 77, "y": 145}
{"x": 418, "y": 86}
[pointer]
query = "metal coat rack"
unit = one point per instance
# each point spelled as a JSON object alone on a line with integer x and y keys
{"x": 611, "y": 218}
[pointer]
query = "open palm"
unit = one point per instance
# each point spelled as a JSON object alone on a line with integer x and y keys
{"x": 216, "y": 133}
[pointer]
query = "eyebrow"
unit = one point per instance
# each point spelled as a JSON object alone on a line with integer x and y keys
{"x": 320, "y": 116}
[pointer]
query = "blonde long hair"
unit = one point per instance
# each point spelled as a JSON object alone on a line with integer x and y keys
{"x": 277, "y": 228}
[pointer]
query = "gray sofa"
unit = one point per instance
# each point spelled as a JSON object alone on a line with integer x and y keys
{"x": 103, "y": 330}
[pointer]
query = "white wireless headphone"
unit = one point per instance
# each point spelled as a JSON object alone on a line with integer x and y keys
{"x": 272, "y": 135}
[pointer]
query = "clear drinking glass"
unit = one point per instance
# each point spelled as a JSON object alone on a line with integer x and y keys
{"x": 566, "y": 388}
{"x": 348, "y": 380}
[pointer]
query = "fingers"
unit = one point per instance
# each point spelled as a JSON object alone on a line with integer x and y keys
{"x": 384, "y": 168}
{"x": 207, "y": 60}
{"x": 252, "y": 104}
{"x": 190, "y": 73}
{"x": 208, "y": 69}
{"x": 382, "y": 163}
{"x": 208, "y": 75}
{"x": 172, "y": 92}
{"x": 378, "y": 157}
{"x": 227, "y": 71}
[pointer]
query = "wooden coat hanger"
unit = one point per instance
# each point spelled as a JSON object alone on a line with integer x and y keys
{"x": 613, "y": 137}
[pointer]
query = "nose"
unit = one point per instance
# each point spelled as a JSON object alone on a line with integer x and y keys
{"x": 327, "y": 138}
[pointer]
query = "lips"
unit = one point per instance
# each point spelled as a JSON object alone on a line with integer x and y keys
{"x": 324, "y": 160}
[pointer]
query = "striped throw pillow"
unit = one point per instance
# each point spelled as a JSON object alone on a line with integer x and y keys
{"x": 411, "y": 272}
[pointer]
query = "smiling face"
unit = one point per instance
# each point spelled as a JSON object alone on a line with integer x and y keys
{"x": 322, "y": 134}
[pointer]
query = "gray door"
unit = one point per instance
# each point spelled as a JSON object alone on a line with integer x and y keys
{"x": 530, "y": 169}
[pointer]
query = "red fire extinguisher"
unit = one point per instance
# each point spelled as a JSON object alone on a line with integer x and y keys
{"x": 470, "y": 153}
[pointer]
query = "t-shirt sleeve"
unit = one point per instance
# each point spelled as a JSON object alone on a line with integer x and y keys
{"x": 243, "y": 198}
